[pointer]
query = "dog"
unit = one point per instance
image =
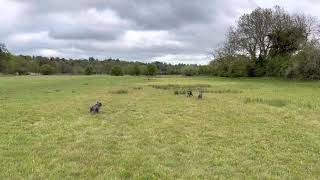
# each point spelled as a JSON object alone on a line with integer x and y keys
{"x": 200, "y": 95}
{"x": 95, "y": 108}
{"x": 189, "y": 93}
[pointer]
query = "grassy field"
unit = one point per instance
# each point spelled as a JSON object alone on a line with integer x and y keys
{"x": 242, "y": 128}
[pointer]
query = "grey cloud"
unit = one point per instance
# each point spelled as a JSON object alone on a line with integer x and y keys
{"x": 81, "y": 34}
{"x": 148, "y": 14}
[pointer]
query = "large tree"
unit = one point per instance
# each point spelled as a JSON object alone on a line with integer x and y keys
{"x": 250, "y": 36}
{"x": 265, "y": 32}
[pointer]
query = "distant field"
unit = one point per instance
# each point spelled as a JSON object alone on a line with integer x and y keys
{"x": 242, "y": 128}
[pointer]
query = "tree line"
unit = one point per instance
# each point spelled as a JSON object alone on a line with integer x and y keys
{"x": 24, "y": 65}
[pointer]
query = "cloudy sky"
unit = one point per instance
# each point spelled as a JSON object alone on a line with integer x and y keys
{"x": 145, "y": 30}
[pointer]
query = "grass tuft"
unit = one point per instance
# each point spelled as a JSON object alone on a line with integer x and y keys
{"x": 181, "y": 86}
{"x": 180, "y": 92}
{"x": 223, "y": 91}
{"x": 137, "y": 88}
{"x": 120, "y": 91}
{"x": 270, "y": 102}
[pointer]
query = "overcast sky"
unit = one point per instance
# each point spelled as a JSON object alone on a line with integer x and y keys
{"x": 145, "y": 30}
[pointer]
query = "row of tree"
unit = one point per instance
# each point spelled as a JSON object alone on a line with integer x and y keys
{"x": 270, "y": 42}
{"x": 23, "y": 65}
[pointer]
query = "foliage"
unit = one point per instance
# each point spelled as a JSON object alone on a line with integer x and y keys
{"x": 135, "y": 70}
{"x": 89, "y": 70}
{"x": 277, "y": 66}
{"x": 190, "y": 70}
{"x": 78, "y": 70}
{"x": 116, "y": 71}
{"x": 286, "y": 41}
{"x": 305, "y": 64}
{"x": 151, "y": 70}
{"x": 47, "y": 69}
{"x": 204, "y": 70}
{"x": 232, "y": 66}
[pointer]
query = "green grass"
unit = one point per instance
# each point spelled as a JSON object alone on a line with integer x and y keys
{"x": 242, "y": 129}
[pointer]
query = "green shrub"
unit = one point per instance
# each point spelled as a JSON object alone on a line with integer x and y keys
{"x": 151, "y": 70}
{"x": 239, "y": 67}
{"x": 232, "y": 66}
{"x": 78, "y": 70}
{"x": 204, "y": 70}
{"x": 116, "y": 71}
{"x": 22, "y": 71}
{"x": 189, "y": 70}
{"x": 136, "y": 70}
{"x": 89, "y": 70}
{"x": 47, "y": 69}
{"x": 306, "y": 64}
{"x": 277, "y": 66}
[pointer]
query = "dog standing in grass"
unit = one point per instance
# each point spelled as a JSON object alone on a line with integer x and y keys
{"x": 189, "y": 93}
{"x": 95, "y": 108}
{"x": 200, "y": 95}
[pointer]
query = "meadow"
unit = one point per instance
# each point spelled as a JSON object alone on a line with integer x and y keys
{"x": 259, "y": 128}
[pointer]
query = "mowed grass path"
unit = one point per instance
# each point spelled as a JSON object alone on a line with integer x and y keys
{"x": 243, "y": 128}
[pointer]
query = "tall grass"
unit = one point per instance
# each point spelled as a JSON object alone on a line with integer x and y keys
{"x": 270, "y": 102}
